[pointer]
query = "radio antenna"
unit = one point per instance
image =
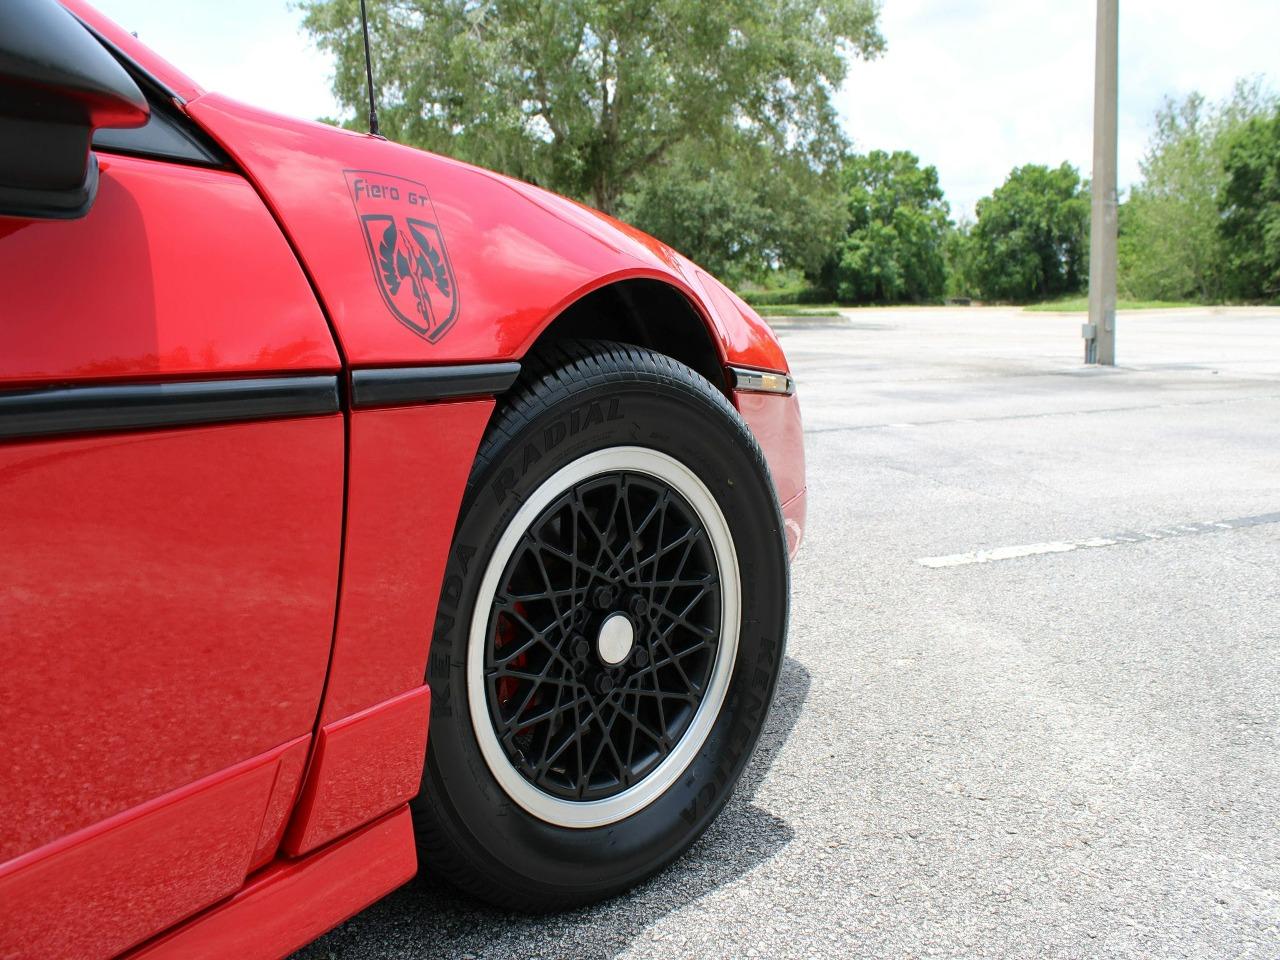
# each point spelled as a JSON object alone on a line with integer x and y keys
{"x": 368, "y": 71}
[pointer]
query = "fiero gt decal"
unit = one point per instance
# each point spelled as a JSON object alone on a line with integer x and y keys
{"x": 406, "y": 248}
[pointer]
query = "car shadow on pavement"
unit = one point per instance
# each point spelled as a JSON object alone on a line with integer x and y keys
{"x": 425, "y": 919}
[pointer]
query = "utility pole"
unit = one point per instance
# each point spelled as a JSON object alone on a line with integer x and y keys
{"x": 1100, "y": 331}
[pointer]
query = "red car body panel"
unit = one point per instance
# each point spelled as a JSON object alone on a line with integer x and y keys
{"x": 212, "y": 710}
{"x": 202, "y": 307}
{"x": 97, "y": 892}
{"x": 364, "y": 766}
{"x": 407, "y": 470}
{"x": 157, "y": 582}
{"x": 292, "y": 902}
{"x": 167, "y": 610}
{"x": 280, "y": 804}
{"x": 520, "y": 255}
{"x": 775, "y": 422}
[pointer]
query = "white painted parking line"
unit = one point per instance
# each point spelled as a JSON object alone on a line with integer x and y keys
{"x": 1066, "y": 546}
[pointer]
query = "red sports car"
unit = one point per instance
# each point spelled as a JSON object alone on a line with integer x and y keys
{"x": 310, "y": 444}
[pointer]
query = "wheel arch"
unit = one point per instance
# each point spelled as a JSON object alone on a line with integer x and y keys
{"x": 644, "y": 312}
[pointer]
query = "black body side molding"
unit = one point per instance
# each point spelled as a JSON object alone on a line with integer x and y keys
{"x": 396, "y": 386}
{"x": 142, "y": 406}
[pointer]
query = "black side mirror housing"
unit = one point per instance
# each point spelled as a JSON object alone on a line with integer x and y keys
{"x": 57, "y": 85}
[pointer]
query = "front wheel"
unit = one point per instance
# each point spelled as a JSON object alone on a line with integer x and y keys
{"x": 610, "y": 631}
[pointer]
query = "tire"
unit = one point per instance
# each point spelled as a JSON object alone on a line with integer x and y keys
{"x": 590, "y": 431}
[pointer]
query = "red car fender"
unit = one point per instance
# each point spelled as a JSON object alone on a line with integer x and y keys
{"x": 514, "y": 256}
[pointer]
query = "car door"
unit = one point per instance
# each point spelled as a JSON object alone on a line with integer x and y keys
{"x": 171, "y": 484}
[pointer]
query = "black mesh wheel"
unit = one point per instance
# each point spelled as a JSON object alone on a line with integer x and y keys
{"x": 609, "y": 634}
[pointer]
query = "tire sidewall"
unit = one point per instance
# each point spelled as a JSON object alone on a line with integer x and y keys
{"x": 698, "y": 428}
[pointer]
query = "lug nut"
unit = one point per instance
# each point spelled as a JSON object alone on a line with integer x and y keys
{"x": 604, "y": 683}
{"x": 640, "y": 657}
{"x": 580, "y": 648}
{"x": 602, "y": 598}
{"x": 639, "y": 606}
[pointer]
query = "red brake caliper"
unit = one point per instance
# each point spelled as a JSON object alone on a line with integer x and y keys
{"x": 505, "y": 637}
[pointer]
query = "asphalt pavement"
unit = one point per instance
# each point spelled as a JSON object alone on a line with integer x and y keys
{"x": 1031, "y": 704}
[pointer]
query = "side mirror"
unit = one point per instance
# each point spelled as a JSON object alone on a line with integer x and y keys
{"x": 57, "y": 85}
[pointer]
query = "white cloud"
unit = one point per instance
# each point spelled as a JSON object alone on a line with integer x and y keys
{"x": 977, "y": 88}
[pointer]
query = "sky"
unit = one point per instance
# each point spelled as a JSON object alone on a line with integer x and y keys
{"x": 977, "y": 87}
{"x": 974, "y": 87}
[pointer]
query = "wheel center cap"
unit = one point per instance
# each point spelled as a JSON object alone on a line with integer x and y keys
{"x": 617, "y": 637}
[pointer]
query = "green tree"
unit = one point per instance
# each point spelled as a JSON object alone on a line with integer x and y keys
{"x": 739, "y": 209}
{"x": 1250, "y": 205}
{"x": 1030, "y": 241}
{"x": 1169, "y": 224}
{"x": 589, "y": 97}
{"x": 897, "y": 219}
{"x": 1170, "y": 244}
{"x": 958, "y": 254}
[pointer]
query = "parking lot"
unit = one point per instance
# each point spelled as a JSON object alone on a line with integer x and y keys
{"x": 1059, "y": 735}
